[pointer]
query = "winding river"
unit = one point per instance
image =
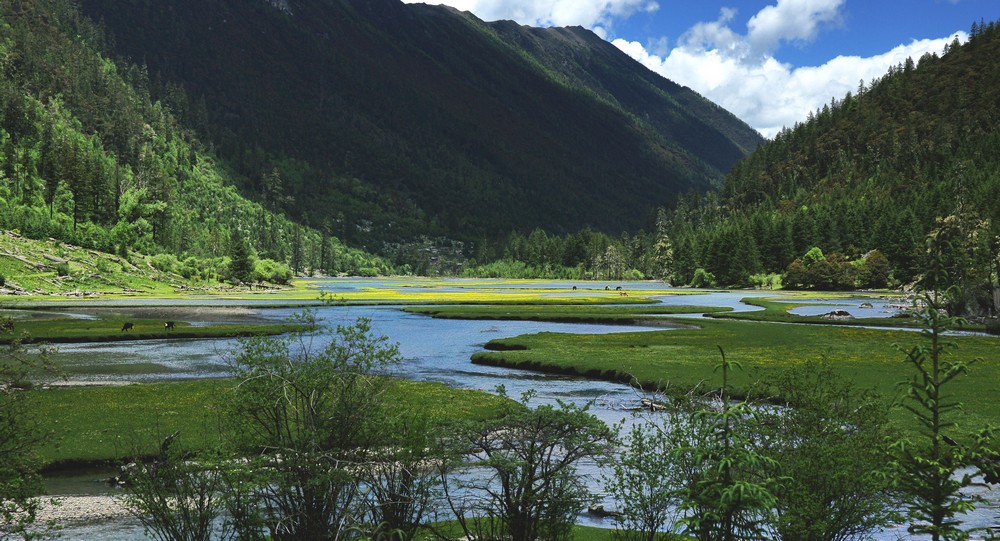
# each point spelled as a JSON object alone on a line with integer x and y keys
{"x": 432, "y": 350}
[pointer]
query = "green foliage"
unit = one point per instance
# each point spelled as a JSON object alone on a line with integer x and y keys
{"x": 870, "y": 171}
{"x": 933, "y": 488}
{"x": 62, "y": 269}
{"x": 177, "y": 498}
{"x": 310, "y": 418}
{"x": 832, "y": 272}
{"x": 829, "y": 441}
{"x": 20, "y": 439}
{"x": 727, "y": 493}
{"x": 268, "y": 270}
{"x": 644, "y": 478}
{"x": 471, "y": 159}
{"x": 702, "y": 278}
{"x": 531, "y": 488}
{"x": 165, "y": 263}
{"x": 88, "y": 157}
{"x": 929, "y": 465}
{"x": 242, "y": 261}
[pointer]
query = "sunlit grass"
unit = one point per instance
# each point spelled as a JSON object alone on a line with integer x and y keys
{"x": 687, "y": 357}
{"x": 111, "y": 422}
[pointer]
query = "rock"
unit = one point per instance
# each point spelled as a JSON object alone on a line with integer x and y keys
{"x": 598, "y": 510}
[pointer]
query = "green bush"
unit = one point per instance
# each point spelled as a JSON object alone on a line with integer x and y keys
{"x": 702, "y": 278}
{"x": 164, "y": 262}
{"x": 270, "y": 270}
{"x": 62, "y": 269}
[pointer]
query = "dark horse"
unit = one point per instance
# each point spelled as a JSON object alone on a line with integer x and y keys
{"x": 128, "y": 326}
{"x": 168, "y": 326}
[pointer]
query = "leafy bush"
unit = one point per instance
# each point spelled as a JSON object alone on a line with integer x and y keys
{"x": 702, "y": 278}
{"x": 766, "y": 281}
{"x": 62, "y": 269}
{"x": 189, "y": 268}
{"x": 164, "y": 262}
{"x": 269, "y": 270}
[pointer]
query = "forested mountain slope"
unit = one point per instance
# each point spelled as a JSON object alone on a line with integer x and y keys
{"x": 384, "y": 120}
{"x": 874, "y": 170}
{"x": 87, "y": 156}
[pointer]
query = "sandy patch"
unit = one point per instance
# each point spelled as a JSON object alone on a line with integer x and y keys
{"x": 80, "y": 509}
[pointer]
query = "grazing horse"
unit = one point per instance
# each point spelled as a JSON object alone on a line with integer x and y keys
{"x": 574, "y": 288}
{"x": 127, "y": 326}
{"x": 168, "y": 326}
{"x": 619, "y": 288}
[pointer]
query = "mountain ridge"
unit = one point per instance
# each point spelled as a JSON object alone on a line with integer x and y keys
{"x": 423, "y": 119}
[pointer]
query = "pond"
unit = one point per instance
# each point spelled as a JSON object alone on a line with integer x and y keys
{"x": 432, "y": 350}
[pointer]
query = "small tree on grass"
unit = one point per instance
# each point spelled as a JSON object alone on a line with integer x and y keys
{"x": 311, "y": 417}
{"x": 728, "y": 494}
{"x": 643, "y": 479}
{"x": 830, "y": 443}
{"x": 928, "y": 465}
{"x": 241, "y": 264}
{"x": 176, "y": 497}
{"x": 531, "y": 488}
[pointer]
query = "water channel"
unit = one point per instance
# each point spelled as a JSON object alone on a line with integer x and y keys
{"x": 432, "y": 350}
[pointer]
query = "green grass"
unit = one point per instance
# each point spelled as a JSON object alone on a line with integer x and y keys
{"x": 71, "y": 330}
{"x": 687, "y": 357}
{"x": 560, "y": 313}
{"x": 108, "y": 423}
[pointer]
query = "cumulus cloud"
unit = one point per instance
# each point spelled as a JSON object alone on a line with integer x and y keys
{"x": 770, "y": 94}
{"x": 588, "y": 13}
{"x": 739, "y": 71}
{"x": 790, "y": 20}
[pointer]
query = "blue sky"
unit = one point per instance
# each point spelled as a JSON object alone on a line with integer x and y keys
{"x": 770, "y": 62}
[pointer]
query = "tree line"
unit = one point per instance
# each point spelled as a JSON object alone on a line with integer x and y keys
{"x": 88, "y": 156}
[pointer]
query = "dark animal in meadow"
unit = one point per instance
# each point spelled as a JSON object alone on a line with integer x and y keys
{"x": 619, "y": 288}
{"x": 168, "y": 326}
{"x": 607, "y": 288}
{"x": 128, "y": 326}
{"x": 574, "y": 288}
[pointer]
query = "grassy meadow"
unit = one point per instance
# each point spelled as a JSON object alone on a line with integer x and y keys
{"x": 108, "y": 423}
{"x": 685, "y": 357}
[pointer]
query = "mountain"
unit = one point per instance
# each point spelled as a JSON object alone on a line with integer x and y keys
{"x": 382, "y": 120}
{"x": 875, "y": 170}
{"x": 89, "y": 157}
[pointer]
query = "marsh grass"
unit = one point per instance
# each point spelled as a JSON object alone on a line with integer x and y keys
{"x": 109, "y": 423}
{"x": 683, "y": 358}
{"x": 560, "y": 313}
{"x": 70, "y": 330}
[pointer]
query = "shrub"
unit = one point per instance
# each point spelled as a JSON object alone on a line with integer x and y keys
{"x": 164, "y": 262}
{"x": 62, "y": 269}
{"x": 270, "y": 270}
{"x": 702, "y": 278}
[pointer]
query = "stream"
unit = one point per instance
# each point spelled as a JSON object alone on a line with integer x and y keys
{"x": 432, "y": 350}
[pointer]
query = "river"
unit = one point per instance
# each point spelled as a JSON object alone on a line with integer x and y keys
{"x": 432, "y": 350}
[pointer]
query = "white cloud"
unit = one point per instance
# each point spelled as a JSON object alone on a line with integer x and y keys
{"x": 790, "y": 20}
{"x": 741, "y": 73}
{"x": 588, "y": 13}
{"x": 738, "y": 71}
